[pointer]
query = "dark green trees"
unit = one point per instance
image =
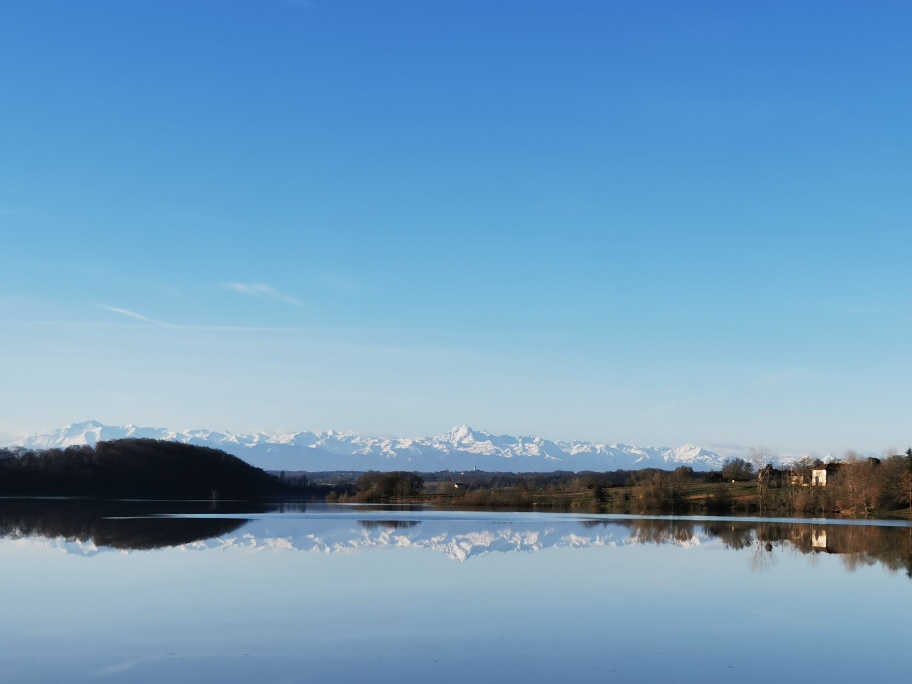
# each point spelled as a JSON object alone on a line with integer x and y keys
{"x": 737, "y": 469}
{"x": 376, "y": 486}
{"x": 135, "y": 468}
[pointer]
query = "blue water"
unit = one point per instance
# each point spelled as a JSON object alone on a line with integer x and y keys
{"x": 329, "y": 593}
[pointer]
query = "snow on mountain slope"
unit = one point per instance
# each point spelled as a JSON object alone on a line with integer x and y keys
{"x": 461, "y": 448}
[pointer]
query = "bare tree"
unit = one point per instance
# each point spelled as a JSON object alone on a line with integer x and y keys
{"x": 859, "y": 487}
{"x": 762, "y": 462}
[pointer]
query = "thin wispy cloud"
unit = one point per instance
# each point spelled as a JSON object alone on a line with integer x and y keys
{"x": 342, "y": 283}
{"x": 262, "y": 291}
{"x": 133, "y": 315}
{"x": 355, "y": 332}
{"x": 784, "y": 377}
{"x": 127, "y": 313}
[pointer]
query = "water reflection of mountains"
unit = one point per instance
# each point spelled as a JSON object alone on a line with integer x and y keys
{"x": 85, "y": 527}
{"x": 125, "y": 525}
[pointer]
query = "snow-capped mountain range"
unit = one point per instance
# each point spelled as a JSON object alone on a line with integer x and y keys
{"x": 461, "y": 448}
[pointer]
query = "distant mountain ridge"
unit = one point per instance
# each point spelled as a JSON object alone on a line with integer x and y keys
{"x": 461, "y": 448}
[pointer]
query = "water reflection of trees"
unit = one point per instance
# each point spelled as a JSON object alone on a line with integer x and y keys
{"x": 121, "y": 524}
{"x": 152, "y": 524}
{"x": 734, "y": 535}
{"x": 388, "y": 524}
{"x": 652, "y": 531}
{"x": 856, "y": 545}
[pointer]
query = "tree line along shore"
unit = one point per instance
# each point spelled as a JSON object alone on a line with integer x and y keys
{"x": 155, "y": 469}
{"x": 857, "y": 487}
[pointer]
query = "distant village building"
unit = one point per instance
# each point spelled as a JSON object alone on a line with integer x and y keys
{"x": 818, "y": 476}
{"x": 824, "y": 474}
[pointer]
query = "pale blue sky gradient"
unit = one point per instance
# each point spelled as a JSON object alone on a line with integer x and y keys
{"x": 643, "y": 222}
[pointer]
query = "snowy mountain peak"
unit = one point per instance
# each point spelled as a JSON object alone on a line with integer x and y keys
{"x": 85, "y": 425}
{"x": 75, "y": 434}
{"x": 463, "y": 433}
{"x": 460, "y": 448}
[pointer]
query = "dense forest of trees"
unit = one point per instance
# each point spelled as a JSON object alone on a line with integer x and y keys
{"x": 137, "y": 468}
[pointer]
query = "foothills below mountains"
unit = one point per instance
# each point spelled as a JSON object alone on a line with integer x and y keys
{"x": 462, "y": 448}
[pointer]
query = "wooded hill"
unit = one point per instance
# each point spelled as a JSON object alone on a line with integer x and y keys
{"x": 140, "y": 469}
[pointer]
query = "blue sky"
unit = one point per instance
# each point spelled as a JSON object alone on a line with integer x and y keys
{"x": 642, "y": 222}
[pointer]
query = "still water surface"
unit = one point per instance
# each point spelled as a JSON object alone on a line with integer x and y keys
{"x": 166, "y": 592}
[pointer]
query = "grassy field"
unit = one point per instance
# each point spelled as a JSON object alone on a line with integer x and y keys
{"x": 696, "y": 497}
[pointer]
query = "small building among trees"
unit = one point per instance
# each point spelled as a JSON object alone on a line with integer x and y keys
{"x": 823, "y": 474}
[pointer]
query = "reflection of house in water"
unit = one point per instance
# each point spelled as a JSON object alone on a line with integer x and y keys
{"x": 814, "y": 538}
{"x": 818, "y": 538}
{"x": 849, "y": 540}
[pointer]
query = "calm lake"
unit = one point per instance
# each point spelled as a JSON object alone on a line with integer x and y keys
{"x": 176, "y": 592}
